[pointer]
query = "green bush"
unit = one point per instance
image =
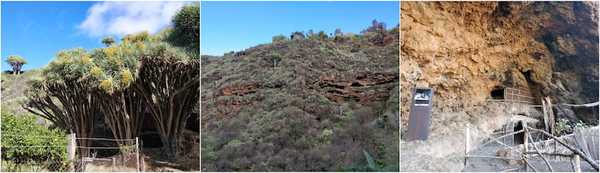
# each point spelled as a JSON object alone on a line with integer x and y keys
{"x": 279, "y": 38}
{"x": 25, "y": 142}
{"x": 564, "y": 126}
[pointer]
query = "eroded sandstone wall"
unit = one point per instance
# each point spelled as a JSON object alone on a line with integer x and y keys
{"x": 465, "y": 49}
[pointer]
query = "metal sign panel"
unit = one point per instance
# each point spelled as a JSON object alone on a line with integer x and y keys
{"x": 420, "y": 114}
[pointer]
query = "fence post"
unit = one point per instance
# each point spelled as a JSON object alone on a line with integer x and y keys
{"x": 467, "y": 143}
{"x": 114, "y": 162}
{"x": 577, "y": 163}
{"x": 137, "y": 153}
{"x": 71, "y": 149}
{"x": 526, "y": 142}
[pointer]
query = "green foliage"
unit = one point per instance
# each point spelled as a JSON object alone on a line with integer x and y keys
{"x": 108, "y": 41}
{"x": 112, "y": 68}
{"x": 16, "y": 59}
{"x": 186, "y": 31}
{"x": 322, "y": 35}
{"x": 16, "y": 62}
{"x": 137, "y": 37}
{"x": 68, "y": 65}
{"x": 24, "y": 141}
{"x": 275, "y": 58}
{"x": 564, "y": 126}
{"x": 326, "y": 136}
{"x": 279, "y": 38}
{"x": 208, "y": 148}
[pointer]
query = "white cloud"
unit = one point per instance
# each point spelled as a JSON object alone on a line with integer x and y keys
{"x": 121, "y": 18}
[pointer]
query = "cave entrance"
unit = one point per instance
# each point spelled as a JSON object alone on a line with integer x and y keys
{"x": 519, "y": 138}
{"x": 497, "y": 93}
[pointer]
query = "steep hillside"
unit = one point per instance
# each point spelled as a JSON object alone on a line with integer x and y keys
{"x": 465, "y": 50}
{"x": 303, "y": 104}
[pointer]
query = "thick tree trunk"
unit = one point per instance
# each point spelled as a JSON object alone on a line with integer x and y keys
{"x": 124, "y": 114}
{"x": 171, "y": 90}
{"x": 69, "y": 105}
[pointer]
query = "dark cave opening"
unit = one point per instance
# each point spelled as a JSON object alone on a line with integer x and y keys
{"x": 519, "y": 138}
{"x": 497, "y": 93}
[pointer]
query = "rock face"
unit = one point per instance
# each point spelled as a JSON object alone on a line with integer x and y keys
{"x": 310, "y": 104}
{"x": 466, "y": 49}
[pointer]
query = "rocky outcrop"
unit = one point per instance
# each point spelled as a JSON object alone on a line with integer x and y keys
{"x": 466, "y": 49}
{"x": 364, "y": 87}
{"x": 239, "y": 90}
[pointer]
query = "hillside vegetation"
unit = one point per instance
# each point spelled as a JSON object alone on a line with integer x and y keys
{"x": 305, "y": 103}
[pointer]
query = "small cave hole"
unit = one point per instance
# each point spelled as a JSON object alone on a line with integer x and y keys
{"x": 497, "y": 93}
{"x": 356, "y": 84}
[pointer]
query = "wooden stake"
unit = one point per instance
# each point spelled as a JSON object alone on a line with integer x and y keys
{"x": 71, "y": 150}
{"x": 577, "y": 164}
{"x": 526, "y": 135}
{"x": 467, "y": 143}
{"x": 526, "y": 145}
{"x": 114, "y": 162}
{"x": 544, "y": 110}
{"x": 551, "y": 118}
{"x": 137, "y": 153}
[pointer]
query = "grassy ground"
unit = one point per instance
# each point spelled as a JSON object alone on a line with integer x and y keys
{"x": 13, "y": 90}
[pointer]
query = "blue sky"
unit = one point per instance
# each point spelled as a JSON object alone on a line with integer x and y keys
{"x": 38, "y": 30}
{"x": 228, "y": 26}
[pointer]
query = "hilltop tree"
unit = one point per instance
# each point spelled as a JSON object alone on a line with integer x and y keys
{"x": 108, "y": 41}
{"x": 311, "y": 35}
{"x": 338, "y": 35}
{"x": 322, "y": 35}
{"x": 16, "y": 62}
{"x": 376, "y": 33}
{"x": 376, "y": 26}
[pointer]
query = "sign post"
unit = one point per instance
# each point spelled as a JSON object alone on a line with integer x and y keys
{"x": 420, "y": 114}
